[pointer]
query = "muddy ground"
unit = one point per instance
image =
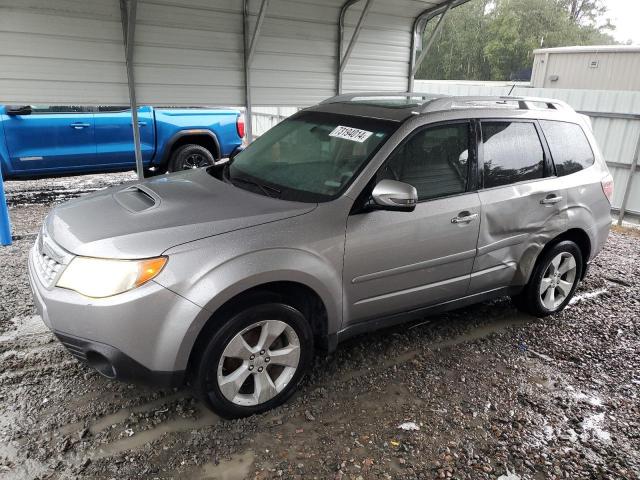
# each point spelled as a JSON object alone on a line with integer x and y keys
{"x": 491, "y": 393}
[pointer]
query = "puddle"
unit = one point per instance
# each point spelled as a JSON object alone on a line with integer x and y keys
{"x": 121, "y": 415}
{"x": 238, "y": 467}
{"x": 18, "y": 468}
{"x": 204, "y": 418}
{"x": 25, "y": 327}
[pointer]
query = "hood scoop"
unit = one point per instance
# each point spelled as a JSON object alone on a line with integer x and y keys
{"x": 136, "y": 198}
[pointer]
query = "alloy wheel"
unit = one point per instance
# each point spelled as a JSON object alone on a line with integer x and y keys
{"x": 558, "y": 280}
{"x": 258, "y": 363}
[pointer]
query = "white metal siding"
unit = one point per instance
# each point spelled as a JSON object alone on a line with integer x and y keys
{"x": 190, "y": 52}
{"x": 61, "y": 51}
{"x": 617, "y": 138}
{"x": 615, "y": 71}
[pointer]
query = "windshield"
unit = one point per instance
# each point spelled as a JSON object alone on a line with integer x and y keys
{"x": 311, "y": 157}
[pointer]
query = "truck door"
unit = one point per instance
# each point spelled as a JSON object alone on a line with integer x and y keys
{"x": 51, "y": 138}
{"x": 114, "y": 136}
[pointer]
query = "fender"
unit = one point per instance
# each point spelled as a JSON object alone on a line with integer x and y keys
{"x": 168, "y": 146}
{"x": 210, "y": 290}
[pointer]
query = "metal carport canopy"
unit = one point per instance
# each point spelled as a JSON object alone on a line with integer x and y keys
{"x": 207, "y": 52}
{"x": 191, "y": 52}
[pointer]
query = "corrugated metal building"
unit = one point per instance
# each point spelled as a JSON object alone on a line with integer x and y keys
{"x": 608, "y": 67}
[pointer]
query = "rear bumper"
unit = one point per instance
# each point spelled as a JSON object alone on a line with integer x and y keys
{"x": 112, "y": 363}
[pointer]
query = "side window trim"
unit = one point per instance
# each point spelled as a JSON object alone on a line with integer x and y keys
{"x": 472, "y": 162}
{"x": 543, "y": 144}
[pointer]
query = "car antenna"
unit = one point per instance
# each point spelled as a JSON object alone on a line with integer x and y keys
{"x": 511, "y": 91}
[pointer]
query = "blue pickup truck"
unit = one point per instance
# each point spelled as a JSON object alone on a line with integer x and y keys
{"x": 41, "y": 141}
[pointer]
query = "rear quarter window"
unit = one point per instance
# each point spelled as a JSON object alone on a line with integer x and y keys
{"x": 569, "y": 146}
{"x": 512, "y": 153}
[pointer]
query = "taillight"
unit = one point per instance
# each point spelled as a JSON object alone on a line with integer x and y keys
{"x": 607, "y": 187}
{"x": 240, "y": 125}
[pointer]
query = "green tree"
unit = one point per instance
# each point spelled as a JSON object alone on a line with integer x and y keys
{"x": 492, "y": 39}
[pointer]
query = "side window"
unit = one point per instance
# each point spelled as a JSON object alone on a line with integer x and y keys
{"x": 60, "y": 109}
{"x": 569, "y": 146}
{"x": 434, "y": 160}
{"x": 512, "y": 153}
{"x": 112, "y": 108}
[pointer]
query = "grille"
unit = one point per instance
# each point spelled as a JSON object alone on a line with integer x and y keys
{"x": 46, "y": 268}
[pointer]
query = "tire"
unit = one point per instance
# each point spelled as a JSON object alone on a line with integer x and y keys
{"x": 258, "y": 366}
{"x": 190, "y": 156}
{"x": 553, "y": 282}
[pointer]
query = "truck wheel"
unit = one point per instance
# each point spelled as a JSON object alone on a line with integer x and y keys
{"x": 254, "y": 361}
{"x": 190, "y": 156}
{"x": 553, "y": 281}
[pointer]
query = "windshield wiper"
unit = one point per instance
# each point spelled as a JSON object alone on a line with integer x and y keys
{"x": 266, "y": 189}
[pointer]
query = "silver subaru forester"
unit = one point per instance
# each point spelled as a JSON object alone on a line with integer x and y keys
{"x": 362, "y": 212}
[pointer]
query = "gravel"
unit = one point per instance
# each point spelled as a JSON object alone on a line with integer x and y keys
{"x": 488, "y": 393}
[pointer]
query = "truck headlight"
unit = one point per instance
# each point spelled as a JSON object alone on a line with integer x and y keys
{"x": 101, "y": 277}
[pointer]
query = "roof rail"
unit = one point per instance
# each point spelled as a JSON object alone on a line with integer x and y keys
{"x": 350, "y": 97}
{"x": 451, "y": 102}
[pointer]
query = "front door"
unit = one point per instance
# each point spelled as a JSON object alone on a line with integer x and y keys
{"x": 54, "y": 139}
{"x": 398, "y": 261}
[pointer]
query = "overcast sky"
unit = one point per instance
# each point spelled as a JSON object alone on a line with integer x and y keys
{"x": 625, "y": 15}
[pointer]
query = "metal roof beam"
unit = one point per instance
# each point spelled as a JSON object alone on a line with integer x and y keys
{"x": 344, "y": 59}
{"x": 256, "y": 30}
{"x": 249, "y": 46}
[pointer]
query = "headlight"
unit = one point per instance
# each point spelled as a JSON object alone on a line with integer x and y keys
{"x": 101, "y": 277}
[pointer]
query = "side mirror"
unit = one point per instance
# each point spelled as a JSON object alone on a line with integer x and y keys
{"x": 19, "y": 110}
{"x": 394, "y": 195}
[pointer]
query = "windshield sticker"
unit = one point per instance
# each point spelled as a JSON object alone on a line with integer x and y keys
{"x": 349, "y": 133}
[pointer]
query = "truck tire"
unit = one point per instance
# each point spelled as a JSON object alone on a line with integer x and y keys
{"x": 190, "y": 156}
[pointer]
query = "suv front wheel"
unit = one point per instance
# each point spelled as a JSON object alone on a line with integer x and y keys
{"x": 553, "y": 281}
{"x": 255, "y": 361}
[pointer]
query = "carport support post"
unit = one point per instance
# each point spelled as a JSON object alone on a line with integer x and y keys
{"x": 415, "y": 64}
{"x": 128, "y": 11}
{"x": 5, "y": 224}
{"x": 250, "y": 45}
{"x": 627, "y": 192}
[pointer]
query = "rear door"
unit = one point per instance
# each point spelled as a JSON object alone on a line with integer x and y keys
{"x": 523, "y": 202}
{"x": 114, "y": 135}
{"x": 51, "y": 139}
{"x": 398, "y": 261}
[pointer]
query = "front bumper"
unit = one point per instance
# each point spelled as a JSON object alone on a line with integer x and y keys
{"x": 136, "y": 336}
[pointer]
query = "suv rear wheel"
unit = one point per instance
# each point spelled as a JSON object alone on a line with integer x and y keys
{"x": 190, "y": 156}
{"x": 553, "y": 281}
{"x": 255, "y": 361}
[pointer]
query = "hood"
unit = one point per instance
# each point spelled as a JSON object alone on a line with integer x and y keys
{"x": 143, "y": 219}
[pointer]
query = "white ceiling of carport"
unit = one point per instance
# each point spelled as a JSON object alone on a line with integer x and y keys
{"x": 190, "y": 52}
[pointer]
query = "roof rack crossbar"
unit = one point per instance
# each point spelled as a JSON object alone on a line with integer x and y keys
{"x": 450, "y": 102}
{"x": 350, "y": 97}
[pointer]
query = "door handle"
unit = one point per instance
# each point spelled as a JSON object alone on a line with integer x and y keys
{"x": 79, "y": 125}
{"x": 140, "y": 124}
{"x": 551, "y": 200}
{"x": 464, "y": 218}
